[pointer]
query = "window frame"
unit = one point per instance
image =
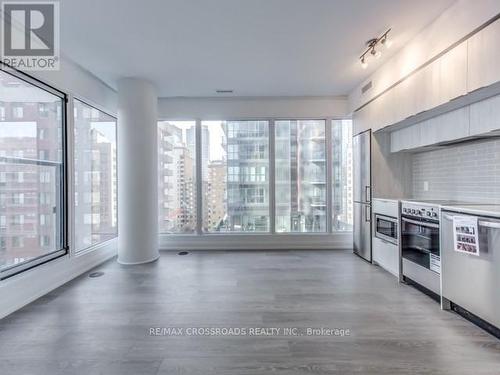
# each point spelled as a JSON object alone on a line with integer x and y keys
{"x": 63, "y": 222}
{"x": 272, "y": 173}
{"x": 74, "y": 249}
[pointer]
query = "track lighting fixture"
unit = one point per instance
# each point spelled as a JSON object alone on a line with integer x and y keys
{"x": 386, "y": 42}
{"x": 371, "y": 47}
{"x": 364, "y": 64}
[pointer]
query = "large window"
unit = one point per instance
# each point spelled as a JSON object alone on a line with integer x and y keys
{"x": 31, "y": 173}
{"x": 342, "y": 175}
{"x": 300, "y": 176}
{"x": 235, "y": 171}
{"x": 95, "y": 176}
{"x": 177, "y": 176}
{"x": 309, "y": 190}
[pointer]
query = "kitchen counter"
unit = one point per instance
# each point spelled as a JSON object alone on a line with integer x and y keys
{"x": 474, "y": 209}
{"x": 386, "y": 200}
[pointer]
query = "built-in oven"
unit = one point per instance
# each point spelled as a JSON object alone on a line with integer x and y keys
{"x": 386, "y": 228}
{"x": 420, "y": 253}
{"x": 420, "y": 242}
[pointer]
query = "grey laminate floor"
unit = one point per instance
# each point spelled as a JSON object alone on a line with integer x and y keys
{"x": 101, "y": 326}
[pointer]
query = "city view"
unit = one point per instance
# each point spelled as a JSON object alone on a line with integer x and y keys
{"x": 235, "y": 176}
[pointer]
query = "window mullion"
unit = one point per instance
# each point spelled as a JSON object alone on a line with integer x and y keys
{"x": 199, "y": 178}
{"x": 329, "y": 173}
{"x": 272, "y": 172}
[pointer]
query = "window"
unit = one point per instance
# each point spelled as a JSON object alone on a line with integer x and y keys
{"x": 17, "y": 111}
{"x": 300, "y": 176}
{"x": 177, "y": 176}
{"x": 235, "y": 169}
{"x": 342, "y": 175}
{"x": 95, "y": 176}
{"x": 236, "y": 192}
{"x": 23, "y": 168}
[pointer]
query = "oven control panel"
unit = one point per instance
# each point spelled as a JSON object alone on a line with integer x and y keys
{"x": 420, "y": 210}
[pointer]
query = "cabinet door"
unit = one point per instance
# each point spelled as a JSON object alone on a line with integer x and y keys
{"x": 453, "y": 73}
{"x": 405, "y": 99}
{"x": 427, "y": 134}
{"x": 452, "y": 125}
{"x": 483, "y": 57}
{"x": 485, "y": 116}
{"x": 406, "y": 138}
{"x": 360, "y": 121}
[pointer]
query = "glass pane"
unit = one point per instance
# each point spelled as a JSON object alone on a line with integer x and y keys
{"x": 95, "y": 176}
{"x": 300, "y": 176}
{"x": 235, "y": 176}
{"x": 342, "y": 175}
{"x": 177, "y": 176}
{"x": 30, "y": 171}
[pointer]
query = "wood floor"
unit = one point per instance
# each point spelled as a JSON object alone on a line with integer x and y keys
{"x": 102, "y": 325}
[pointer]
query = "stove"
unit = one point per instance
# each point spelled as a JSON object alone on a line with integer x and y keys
{"x": 427, "y": 209}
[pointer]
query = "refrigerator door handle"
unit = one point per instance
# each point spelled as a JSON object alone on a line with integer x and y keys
{"x": 367, "y": 193}
{"x": 368, "y": 214}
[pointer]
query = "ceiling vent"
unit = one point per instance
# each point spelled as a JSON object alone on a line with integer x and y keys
{"x": 224, "y": 91}
{"x": 366, "y": 87}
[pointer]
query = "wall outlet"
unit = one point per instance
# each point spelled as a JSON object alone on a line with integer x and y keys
{"x": 426, "y": 185}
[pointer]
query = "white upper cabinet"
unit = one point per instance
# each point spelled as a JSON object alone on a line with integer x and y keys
{"x": 453, "y": 73}
{"x": 437, "y": 83}
{"x": 470, "y": 65}
{"x": 447, "y": 127}
{"x": 485, "y": 116}
{"x": 484, "y": 57}
{"x": 360, "y": 120}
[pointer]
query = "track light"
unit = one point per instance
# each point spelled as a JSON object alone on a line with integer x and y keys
{"x": 371, "y": 47}
{"x": 386, "y": 42}
{"x": 364, "y": 64}
{"x": 375, "y": 53}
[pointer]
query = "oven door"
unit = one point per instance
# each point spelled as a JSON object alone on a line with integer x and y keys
{"x": 386, "y": 228}
{"x": 420, "y": 243}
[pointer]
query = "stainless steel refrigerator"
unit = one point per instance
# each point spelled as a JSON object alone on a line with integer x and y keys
{"x": 362, "y": 195}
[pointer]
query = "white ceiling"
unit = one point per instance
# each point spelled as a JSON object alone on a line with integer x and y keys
{"x": 256, "y": 47}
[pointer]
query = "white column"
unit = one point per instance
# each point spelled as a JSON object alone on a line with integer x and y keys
{"x": 137, "y": 171}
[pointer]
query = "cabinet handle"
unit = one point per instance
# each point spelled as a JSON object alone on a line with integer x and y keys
{"x": 367, "y": 193}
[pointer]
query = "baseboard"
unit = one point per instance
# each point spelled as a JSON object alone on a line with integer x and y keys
{"x": 256, "y": 241}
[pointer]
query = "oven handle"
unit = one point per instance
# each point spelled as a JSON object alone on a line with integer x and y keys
{"x": 422, "y": 223}
{"x": 386, "y": 218}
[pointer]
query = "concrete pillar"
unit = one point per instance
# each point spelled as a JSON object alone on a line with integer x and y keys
{"x": 137, "y": 171}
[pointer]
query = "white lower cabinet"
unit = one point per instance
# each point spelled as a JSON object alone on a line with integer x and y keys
{"x": 386, "y": 255}
{"x": 485, "y": 116}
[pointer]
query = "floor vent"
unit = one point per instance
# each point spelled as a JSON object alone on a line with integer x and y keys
{"x": 96, "y": 274}
{"x": 183, "y": 253}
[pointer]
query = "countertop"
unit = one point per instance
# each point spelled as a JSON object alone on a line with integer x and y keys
{"x": 474, "y": 209}
{"x": 386, "y": 199}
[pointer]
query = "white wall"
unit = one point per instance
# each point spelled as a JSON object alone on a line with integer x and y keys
{"x": 455, "y": 23}
{"x": 251, "y": 108}
{"x": 72, "y": 78}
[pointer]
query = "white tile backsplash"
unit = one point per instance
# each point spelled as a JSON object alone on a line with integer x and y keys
{"x": 468, "y": 172}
